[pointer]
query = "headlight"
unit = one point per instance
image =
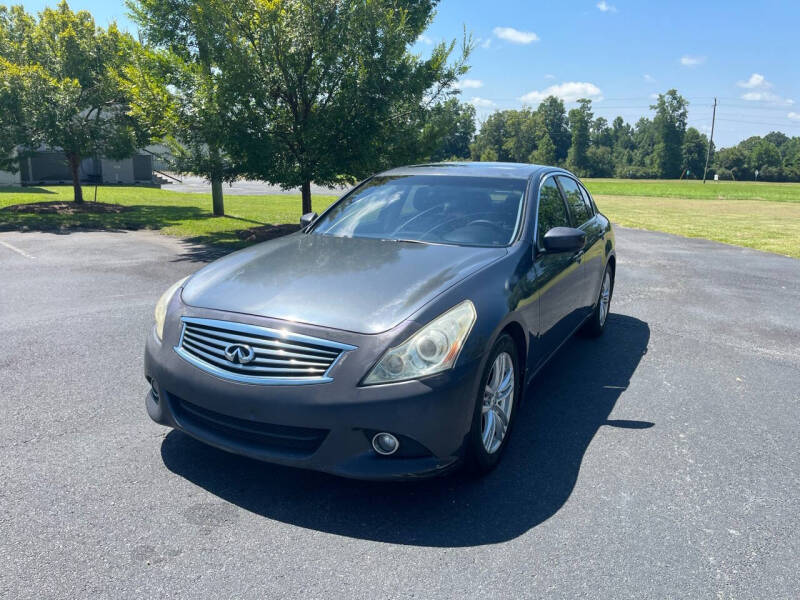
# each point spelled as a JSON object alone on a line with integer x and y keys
{"x": 432, "y": 349}
{"x": 161, "y": 306}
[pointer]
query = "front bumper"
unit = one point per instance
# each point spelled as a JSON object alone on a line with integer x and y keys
{"x": 324, "y": 426}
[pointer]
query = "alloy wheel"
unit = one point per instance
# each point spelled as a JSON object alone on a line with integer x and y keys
{"x": 605, "y": 298}
{"x": 498, "y": 400}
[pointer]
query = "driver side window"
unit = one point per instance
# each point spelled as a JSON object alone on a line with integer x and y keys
{"x": 552, "y": 210}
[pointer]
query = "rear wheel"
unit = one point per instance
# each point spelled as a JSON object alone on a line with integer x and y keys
{"x": 597, "y": 322}
{"x": 495, "y": 407}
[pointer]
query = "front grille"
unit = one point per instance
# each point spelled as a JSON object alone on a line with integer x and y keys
{"x": 272, "y": 356}
{"x": 275, "y": 438}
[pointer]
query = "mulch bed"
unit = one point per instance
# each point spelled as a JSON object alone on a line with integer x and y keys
{"x": 267, "y": 232}
{"x": 67, "y": 208}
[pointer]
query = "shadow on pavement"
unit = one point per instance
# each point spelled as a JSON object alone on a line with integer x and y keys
{"x": 214, "y": 245}
{"x": 568, "y": 402}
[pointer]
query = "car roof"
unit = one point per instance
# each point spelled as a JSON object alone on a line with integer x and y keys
{"x": 471, "y": 169}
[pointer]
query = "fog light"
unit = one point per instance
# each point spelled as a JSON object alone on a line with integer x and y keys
{"x": 385, "y": 443}
{"x": 154, "y": 391}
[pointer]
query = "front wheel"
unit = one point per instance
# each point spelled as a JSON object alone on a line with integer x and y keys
{"x": 597, "y": 322}
{"x": 495, "y": 407}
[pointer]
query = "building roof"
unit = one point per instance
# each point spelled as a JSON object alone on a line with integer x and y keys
{"x": 470, "y": 169}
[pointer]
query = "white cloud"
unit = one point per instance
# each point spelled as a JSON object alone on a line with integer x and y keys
{"x": 424, "y": 39}
{"x": 760, "y": 91}
{"x": 767, "y": 96}
{"x": 756, "y": 81}
{"x": 692, "y": 61}
{"x": 649, "y": 78}
{"x": 486, "y": 43}
{"x": 515, "y": 36}
{"x": 568, "y": 91}
{"x": 469, "y": 84}
{"x": 549, "y": 76}
{"x": 481, "y": 102}
{"x": 606, "y": 7}
{"x": 794, "y": 116}
{"x": 654, "y": 96}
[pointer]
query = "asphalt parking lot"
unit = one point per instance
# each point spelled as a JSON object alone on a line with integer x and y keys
{"x": 660, "y": 461}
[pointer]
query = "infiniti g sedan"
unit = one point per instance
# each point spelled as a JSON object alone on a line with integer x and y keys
{"x": 394, "y": 335}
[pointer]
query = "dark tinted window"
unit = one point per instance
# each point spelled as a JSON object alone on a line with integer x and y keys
{"x": 577, "y": 205}
{"x": 475, "y": 211}
{"x": 552, "y": 212}
{"x": 588, "y": 199}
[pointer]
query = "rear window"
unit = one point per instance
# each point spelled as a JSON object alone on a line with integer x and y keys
{"x": 575, "y": 201}
{"x": 587, "y": 197}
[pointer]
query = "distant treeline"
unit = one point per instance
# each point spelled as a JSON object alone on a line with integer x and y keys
{"x": 661, "y": 147}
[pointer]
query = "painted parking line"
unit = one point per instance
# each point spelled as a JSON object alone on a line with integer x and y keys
{"x": 15, "y": 249}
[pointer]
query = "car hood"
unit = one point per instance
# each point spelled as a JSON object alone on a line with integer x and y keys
{"x": 357, "y": 284}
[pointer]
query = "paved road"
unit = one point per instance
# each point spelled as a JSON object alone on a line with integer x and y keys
{"x": 661, "y": 461}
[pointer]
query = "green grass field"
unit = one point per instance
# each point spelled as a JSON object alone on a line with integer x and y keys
{"x": 697, "y": 190}
{"x": 174, "y": 213}
{"x": 765, "y": 216}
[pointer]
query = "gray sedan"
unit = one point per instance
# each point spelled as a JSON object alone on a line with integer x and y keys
{"x": 393, "y": 336}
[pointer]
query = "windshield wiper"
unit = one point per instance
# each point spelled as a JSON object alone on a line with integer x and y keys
{"x": 408, "y": 241}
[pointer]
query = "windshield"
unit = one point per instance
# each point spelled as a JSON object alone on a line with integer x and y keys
{"x": 443, "y": 209}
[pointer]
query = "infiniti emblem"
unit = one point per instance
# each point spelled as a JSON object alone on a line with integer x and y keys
{"x": 239, "y": 353}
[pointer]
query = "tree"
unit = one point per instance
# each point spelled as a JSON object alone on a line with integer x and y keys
{"x": 764, "y": 154}
{"x": 449, "y": 129}
{"x": 324, "y": 90}
{"x": 177, "y": 90}
{"x": 600, "y": 161}
{"x": 731, "y": 160}
{"x": 695, "y": 146}
{"x": 777, "y": 138}
{"x": 521, "y": 132}
{"x": 669, "y": 127}
{"x": 489, "y": 144}
{"x": 59, "y": 77}
{"x": 644, "y": 142}
{"x": 554, "y": 118}
{"x": 545, "y": 153}
{"x": 579, "y": 123}
{"x": 600, "y": 133}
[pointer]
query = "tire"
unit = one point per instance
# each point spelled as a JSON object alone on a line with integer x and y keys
{"x": 596, "y": 324}
{"x": 484, "y": 451}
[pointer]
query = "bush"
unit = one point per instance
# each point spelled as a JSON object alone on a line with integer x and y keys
{"x": 772, "y": 174}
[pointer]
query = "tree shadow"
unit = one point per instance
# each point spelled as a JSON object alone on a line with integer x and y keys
{"x": 568, "y": 402}
{"x": 24, "y": 190}
{"x": 133, "y": 217}
{"x": 214, "y": 245}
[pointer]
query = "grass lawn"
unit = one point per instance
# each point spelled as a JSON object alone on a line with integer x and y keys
{"x": 174, "y": 213}
{"x": 711, "y": 190}
{"x": 765, "y": 216}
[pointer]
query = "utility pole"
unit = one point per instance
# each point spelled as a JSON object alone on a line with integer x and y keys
{"x": 710, "y": 139}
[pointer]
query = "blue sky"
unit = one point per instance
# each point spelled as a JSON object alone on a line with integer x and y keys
{"x": 619, "y": 53}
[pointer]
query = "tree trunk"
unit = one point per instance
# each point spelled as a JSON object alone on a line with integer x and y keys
{"x": 306, "y": 190}
{"x": 74, "y": 167}
{"x": 216, "y": 197}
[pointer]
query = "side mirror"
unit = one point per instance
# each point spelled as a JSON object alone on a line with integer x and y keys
{"x": 307, "y": 219}
{"x": 564, "y": 239}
